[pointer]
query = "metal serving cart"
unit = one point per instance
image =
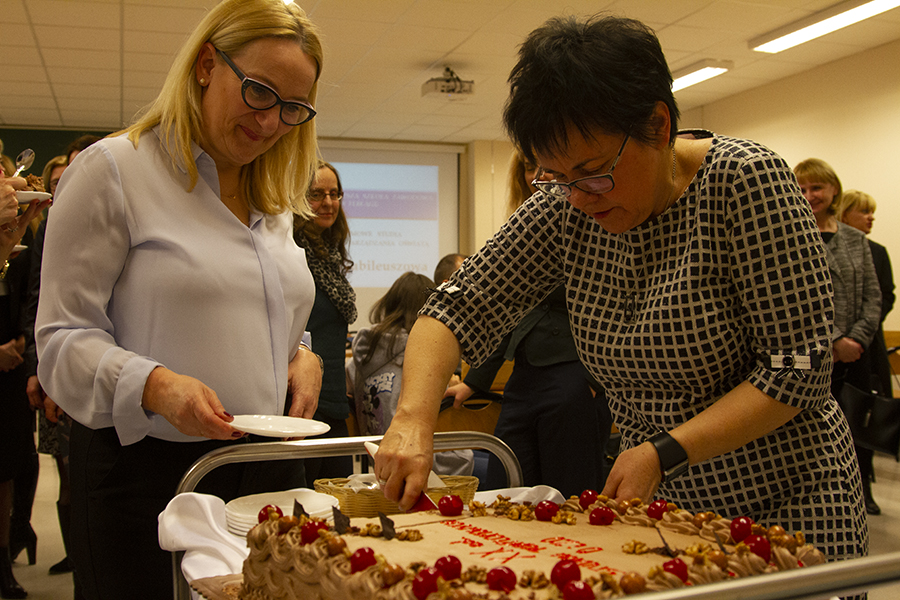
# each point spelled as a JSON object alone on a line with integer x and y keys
{"x": 810, "y": 583}
{"x": 456, "y": 440}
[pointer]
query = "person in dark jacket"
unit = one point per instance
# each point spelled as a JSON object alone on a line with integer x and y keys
{"x": 857, "y": 209}
{"x": 325, "y": 239}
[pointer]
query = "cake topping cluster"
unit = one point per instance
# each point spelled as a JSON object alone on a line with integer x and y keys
{"x": 754, "y": 549}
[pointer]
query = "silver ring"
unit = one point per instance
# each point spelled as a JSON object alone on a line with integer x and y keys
{"x": 381, "y": 482}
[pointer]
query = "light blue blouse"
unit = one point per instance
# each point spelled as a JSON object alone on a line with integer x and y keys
{"x": 138, "y": 272}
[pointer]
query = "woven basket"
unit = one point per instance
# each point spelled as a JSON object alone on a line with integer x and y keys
{"x": 368, "y": 503}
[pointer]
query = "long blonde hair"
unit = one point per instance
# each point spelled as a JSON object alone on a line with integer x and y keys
{"x": 276, "y": 180}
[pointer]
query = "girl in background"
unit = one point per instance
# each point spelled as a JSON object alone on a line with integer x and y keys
{"x": 375, "y": 373}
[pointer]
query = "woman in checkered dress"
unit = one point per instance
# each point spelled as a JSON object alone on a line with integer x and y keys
{"x": 697, "y": 289}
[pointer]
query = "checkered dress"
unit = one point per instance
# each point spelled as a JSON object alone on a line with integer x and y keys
{"x": 675, "y": 313}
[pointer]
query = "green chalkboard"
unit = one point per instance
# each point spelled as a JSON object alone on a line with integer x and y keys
{"x": 46, "y": 143}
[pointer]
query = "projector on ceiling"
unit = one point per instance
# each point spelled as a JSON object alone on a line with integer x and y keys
{"x": 450, "y": 86}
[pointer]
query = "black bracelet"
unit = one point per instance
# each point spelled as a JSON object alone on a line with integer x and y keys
{"x": 673, "y": 460}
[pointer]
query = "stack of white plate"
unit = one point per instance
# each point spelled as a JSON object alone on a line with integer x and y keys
{"x": 242, "y": 514}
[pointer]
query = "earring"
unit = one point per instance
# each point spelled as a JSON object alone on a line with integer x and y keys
{"x": 202, "y": 81}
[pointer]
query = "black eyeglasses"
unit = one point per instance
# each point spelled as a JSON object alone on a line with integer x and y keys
{"x": 594, "y": 184}
{"x": 259, "y": 96}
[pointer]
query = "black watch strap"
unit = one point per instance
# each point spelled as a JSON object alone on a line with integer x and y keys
{"x": 673, "y": 460}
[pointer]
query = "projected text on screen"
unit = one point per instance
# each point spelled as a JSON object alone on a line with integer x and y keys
{"x": 393, "y": 215}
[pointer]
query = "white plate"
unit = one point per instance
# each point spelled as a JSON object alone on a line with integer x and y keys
{"x": 274, "y": 426}
{"x": 24, "y": 197}
{"x": 241, "y": 513}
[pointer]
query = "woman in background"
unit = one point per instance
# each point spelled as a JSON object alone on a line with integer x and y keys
{"x": 54, "y": 425}
{"x": 857, "y": 209}
{"x": 548, "y": 401}
{"x": 53, "y": 170}
{"x": 325, "y": 236}
{"x": 16, "y": 418}
{"x": 857, "y": 295}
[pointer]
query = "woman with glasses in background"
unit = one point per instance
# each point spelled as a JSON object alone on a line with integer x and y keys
{"x": 173, "y": 295}
{"x": 325, "y": 236}
{"x": 697, "y": 291}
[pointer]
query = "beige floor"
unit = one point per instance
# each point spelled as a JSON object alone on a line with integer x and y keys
{"x": 884, "y": 533}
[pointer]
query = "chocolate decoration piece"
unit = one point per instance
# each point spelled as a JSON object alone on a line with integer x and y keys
{"x": 669, "y": 550}
{"x": 387, "y": 527}
{"x": 299, "y": 510}
{"x": 719, "y": 541}
{"x": 341, "y": 521}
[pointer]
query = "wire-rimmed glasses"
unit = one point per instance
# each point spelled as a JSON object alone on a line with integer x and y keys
{"x": 593, "y": 184}
{"x": 259, "y": 96}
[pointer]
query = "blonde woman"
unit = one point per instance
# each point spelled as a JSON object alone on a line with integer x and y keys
{"x": 857, "y": 209}
{"x": 173, "y": 295}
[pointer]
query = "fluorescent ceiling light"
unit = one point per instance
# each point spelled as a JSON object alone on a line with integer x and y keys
{"x": 700, "y": 71}
{"x": 821, "y": 23}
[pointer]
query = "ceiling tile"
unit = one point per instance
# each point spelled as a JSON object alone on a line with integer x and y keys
{"x": 77, "y": 38}
{"x": 65, "y": 13}
{"x": 15, "y": 35}
{"x": 107, "y": 77}
{"x": 164, "y": 19}
{"x": 94, "y": 59}
{"x": 110, "y": 57}
{"x": 153, "y": 42}
{"x": 29, "y": 117}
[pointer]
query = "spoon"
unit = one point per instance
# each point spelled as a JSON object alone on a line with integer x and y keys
{"x": 24, "y": 161}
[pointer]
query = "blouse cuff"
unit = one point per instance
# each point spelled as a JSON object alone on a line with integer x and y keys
{"x": 131, "y": 421}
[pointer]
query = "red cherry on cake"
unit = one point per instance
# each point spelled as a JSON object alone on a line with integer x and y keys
{"x": 362, "y": 559}
{"x": 264, "y": 513}
{"x": 602, "y": 515}
{"x": 657, "y": 509}
{"x": 741, "y": 528}
{"x": 309, "y": 531}
{"x": 578, "y": 590}
{"x": 501, "y": 579}
{"x": 449, "y": 567}
{"x": 587, "y": 498}
{"x": 759, "y": 546}
{"x": 546, "y": 510}
{"x": 563, "y": 572}
{"x": 450, "y": 506}
{"x": 425, "y": 582}
{"x": 678, "y": 568}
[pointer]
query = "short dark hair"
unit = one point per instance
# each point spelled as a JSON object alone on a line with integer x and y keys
{"x": 81, "y": 143}
{"x": 447, "y": 266}
{"x": 602, "y": 73}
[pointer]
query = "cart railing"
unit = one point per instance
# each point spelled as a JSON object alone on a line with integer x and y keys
{"x": 314, "y": 448}
{"x": 810, "y": 583}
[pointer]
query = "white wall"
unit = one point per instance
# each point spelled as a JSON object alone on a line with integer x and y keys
{"x": 847, "y": 113}
{"x": 487, "y": 172}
